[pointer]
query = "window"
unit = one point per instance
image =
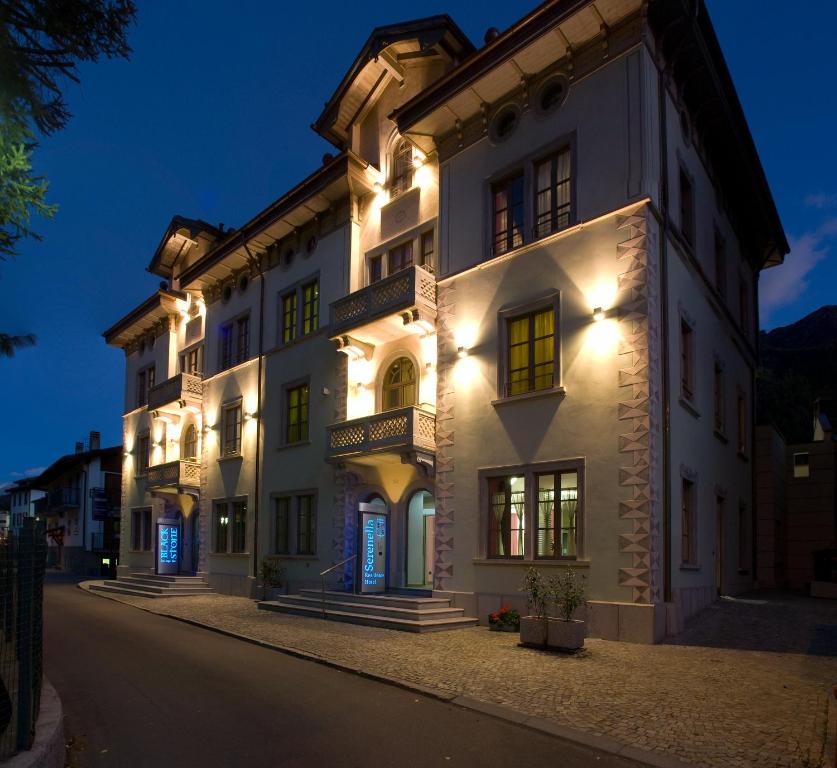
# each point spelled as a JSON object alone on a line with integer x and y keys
{"x": 399, "y": 388}
{"x": 552, "y": 194}
{"x": 687, "y": 523}
{"x": 531, "y": 352}
{"x": 306, "y": 526}
{"x": 289, "y": 317}
{"x": 719, "y": 398}
{"x": 239, "y": 526}
{"x": 242, "y": 336}
{"x": 143, "y": 454}
{"x": 141, "y": 530}
{"x": 296, "y": 414}
{"x": 376, "y": 269}
{"x": 402, "y": 168}
{"x": 686, "y": 360}
{"x": 743, "y": 304}
{"x": 742, "y": 423}
{"x": 190, "y": 443}
{"x": 557, "y": 514}
{"x": 146, "y": 379}
{"x": 222, "y": 526}
{"x": 507, "y": 212}
{"x": 231, "y": 424}
{"x": 191, "y": 361}
{"x": 281, "y": 525}
{"x": 720, "y": 264}
{"x": 687, "y": 208}
{"x": 801, "y": 465}
{"x": 400, "y": 257}
{"x": 234, "y": 343}
{"x": 506, "y": 517}
{"x": 310, "y": 307}
{"x": 225, "y": 347}
{"x": 428, "y": 256}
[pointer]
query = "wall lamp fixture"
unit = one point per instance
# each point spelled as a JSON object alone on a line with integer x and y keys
{"x": 462, "y": 352}
{"x": 599, "y": 314}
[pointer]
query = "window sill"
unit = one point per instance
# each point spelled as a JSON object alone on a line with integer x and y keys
{"x": 231, "y": 457}
{"x": 299, "y": 444}
{"x": 519, "y": 562}
{"x": 535, "y": 395}
{"x": 689, "y": 567}
{"x": 721, "y": 436}
{"x": 687, "y": 406}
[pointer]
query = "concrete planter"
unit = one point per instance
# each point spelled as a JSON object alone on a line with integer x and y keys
{"x": 561, "y": 635}
{"x": 270, "y": 593}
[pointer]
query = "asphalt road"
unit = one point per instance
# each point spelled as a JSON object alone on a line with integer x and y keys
{"x": 143, "y": 690}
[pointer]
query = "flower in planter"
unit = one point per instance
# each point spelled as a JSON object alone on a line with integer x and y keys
{"x": 506, "y": 619}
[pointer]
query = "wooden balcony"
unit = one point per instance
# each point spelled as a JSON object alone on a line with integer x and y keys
{"x": 174, "y": 474}
{"x": 410, "y": 431}
{"x": 175, "y": 393}
{"x": 387, "y": 310}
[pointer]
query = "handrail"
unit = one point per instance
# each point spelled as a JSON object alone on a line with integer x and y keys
{"x": 329, "y": 570}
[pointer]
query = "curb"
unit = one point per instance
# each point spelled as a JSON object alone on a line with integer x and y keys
{"x": 497, "y": 711}
{"x": 48, "y": 751}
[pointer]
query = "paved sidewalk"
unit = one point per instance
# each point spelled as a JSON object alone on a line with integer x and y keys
{"x": 701, "y": 704}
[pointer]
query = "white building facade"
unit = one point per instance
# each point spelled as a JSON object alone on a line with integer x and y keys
{"x": 514, "y": 313}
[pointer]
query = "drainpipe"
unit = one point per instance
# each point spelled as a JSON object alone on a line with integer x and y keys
{"x": 661, "y": 111}
{"x": 84, "y": 516}
{"x": 256, "y": 504}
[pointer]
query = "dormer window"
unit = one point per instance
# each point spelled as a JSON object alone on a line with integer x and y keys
{"x": 402, "y": 168}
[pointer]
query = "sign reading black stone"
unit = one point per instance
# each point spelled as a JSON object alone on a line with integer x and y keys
{"x": 168, "y": 548}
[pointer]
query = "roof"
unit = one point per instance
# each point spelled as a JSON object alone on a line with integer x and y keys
{"x": 69, "y": 462}
{"x": 170, "y": 248}
{"x": 141, "y": 319}
{"x": 429, "y": 32}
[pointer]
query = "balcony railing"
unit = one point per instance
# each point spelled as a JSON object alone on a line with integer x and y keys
{"x": 178, "y": 389}
{"x": 174, "y": 473}
{"x": 59, "y": 500}
{"x": 410, "y": 288}
{"x": 104, "y": 542}
{"x": 403, "y": 428}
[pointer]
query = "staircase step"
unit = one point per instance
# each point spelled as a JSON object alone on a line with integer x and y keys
{"x": 385, "y": 611}
{"x": 161, "y": 589}
{"x": 165, "y": 578}
{"x": 370, "y": 620}
{"x": 386, "y": 600}
{"x": 159, "y": 583}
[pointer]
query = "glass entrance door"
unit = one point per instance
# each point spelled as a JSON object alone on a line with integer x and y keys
{"x": 421, "y": 518}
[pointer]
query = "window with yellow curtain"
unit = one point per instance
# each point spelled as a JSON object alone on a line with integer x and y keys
{"x": 399, "y": 388}
{"x": 531, "y": 352}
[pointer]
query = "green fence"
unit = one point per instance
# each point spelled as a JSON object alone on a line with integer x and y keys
{"x": 22, "y": 566}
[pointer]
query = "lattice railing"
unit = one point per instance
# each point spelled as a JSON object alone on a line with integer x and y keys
{"x": 180, "y": 387}
{"x": 403, "y": 428}
{"x": 174, "y": 473}
{"x": 410, "y": 287}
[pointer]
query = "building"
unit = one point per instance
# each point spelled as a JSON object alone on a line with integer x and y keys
{"x": 797, "y": 507}
{"x": 510, "y": 321}
{"x": 81, "y": 508}
{"x": 23, "y": 498}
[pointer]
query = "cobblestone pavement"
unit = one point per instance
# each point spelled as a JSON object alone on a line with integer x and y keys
{"x": 701, "y": 698}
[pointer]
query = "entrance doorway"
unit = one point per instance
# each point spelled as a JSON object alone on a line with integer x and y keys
{"x": 421, "y": 519}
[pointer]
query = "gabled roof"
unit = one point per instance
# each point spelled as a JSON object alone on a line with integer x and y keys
{"x": 69, "y": 462}
{"x": 435, "y": 32}
{"x": 179, "y": 237}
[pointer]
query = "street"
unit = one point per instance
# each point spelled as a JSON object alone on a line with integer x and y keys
{"x": 143, "y": 690}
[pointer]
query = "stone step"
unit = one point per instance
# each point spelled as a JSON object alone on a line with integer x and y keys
{"x": 414, "y": 614}
{"x": 161, "y": 589}
{"x": 166, "y": 578}
{"x": 116, "y": 587}
{"x": 385, "y": 600}
{"x": 151, "y": 581}
{"x": 370, "y": 620}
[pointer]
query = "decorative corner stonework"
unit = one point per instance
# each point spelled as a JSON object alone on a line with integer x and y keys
{"x": 445, "y": 399}
{"x": 639, "y": 405}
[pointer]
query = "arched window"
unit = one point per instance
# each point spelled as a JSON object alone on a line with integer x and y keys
{"x": 402, "y": 168}
{"x": 399, "y": 388}
{"x": 190, "y": 443}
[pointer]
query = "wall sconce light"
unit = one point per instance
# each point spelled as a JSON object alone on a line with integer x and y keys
{"x": 156, "y": 444}
{"x": 248, "y": 416}
{"x": 378, "y": 187}
{"x": 462, "y": 352}
{"x": 598, "y": 314}
{"x": 208, "y": 428}
{"x": 126, "y": 454}
{"x": 419, "y": 158}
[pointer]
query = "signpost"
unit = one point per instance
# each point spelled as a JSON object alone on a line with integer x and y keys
{"x": 168, "y": 547}
{"x": 373, "y": 551}
{"x": 100, "y": 504}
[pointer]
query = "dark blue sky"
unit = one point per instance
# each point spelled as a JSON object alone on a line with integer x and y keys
{"x": 210, "y": 119}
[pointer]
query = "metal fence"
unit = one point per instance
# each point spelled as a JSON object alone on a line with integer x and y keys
{"x": 22, "y": 567}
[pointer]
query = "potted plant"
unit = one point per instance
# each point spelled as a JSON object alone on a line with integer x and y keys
{"x": 271, "y": 574}
{"x": 534, "y": 629}
{"x": 567, "y": 593}
{"x": 507, "y": 619}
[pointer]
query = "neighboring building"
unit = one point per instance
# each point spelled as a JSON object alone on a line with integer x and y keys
{"x": 5, "y": 512}
{"x": 538, "y": 262}
{"x": 23, "y": 498}
{"x": 81, "y": 508}
{"x": 797, "y": 493}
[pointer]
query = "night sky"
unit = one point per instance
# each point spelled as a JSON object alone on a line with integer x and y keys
{"x": 210, "y": 119}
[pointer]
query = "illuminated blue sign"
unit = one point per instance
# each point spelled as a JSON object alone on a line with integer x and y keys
{"x": 373, "y": 549}
{"x": 168, "y": 548}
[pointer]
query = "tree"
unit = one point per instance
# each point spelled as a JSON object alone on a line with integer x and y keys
{"x": 42, "y": 42}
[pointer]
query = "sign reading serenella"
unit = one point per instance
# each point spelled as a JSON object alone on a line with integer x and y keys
{"x": 373, "y": 552}
{"x": 168, "y": 548}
